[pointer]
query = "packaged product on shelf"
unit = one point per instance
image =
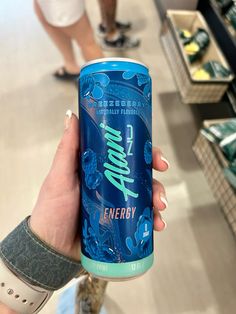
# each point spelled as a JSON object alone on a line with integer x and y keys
{"x": 224, "y": 5}
{"x": 211, "y": 69}
{"x": 220, "y": 173}
{"x": 220, "y": 131}
{"x": 231, "y": 15}
{"x": 185, "y": 35}
{"x": 228, "y": 146}
{"x": 196, "y": 47}
{"x": 201, "y": 74}
{"x": 224, "y": 136}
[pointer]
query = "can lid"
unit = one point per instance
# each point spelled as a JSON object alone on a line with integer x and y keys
{"x": 101, "y": 60}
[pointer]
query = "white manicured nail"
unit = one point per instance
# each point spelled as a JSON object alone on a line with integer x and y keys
{"x": 165, "y": 161}
{"x": 164, "y": 224}
{"x": 164, "y": 200}
{"x": 67, "y": 119}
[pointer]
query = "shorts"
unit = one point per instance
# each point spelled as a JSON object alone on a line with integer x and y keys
{"x": 62, "y": 12}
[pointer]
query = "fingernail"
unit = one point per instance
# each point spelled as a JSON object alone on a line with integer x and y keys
{"x": 67, "y": 119}
{"x": 164, "y": 224}
{"x": 163, "y": 199}
{"x": 165, "y": 161}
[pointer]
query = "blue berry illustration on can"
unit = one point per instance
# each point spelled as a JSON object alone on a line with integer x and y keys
{"x": 148, "y": 152}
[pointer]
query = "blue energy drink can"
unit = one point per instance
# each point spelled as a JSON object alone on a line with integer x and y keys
{"x": 115, "y": 113}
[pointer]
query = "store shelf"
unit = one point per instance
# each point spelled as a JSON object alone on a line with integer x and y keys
{"x": 225, "y": 23}
{"x": 231, "y": 94}
{"x": 226, "y": 41}
{"x": 192, "y": 91}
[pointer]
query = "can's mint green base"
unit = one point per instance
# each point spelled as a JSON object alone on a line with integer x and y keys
{"x": 119, "y": 270}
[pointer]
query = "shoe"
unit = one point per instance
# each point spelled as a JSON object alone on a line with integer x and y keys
{"x": 123, "y": 26}
{"x": 63, "y": 75}
{"x": 121, "y": 43}
{"x": 120, "y": 26}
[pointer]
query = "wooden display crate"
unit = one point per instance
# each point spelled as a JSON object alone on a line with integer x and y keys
{"x": 191, "y": 89}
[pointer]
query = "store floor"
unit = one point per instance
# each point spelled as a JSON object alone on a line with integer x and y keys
{"x": 194, "y": 269}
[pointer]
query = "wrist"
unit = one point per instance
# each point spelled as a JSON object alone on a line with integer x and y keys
{"x": 41, "y": 230}
{"x": 30, "y": 271}
{"x": 54, "y": 239}
{"x": 36, "y": 262}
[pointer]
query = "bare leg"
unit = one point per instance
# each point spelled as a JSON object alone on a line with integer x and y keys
{"x": 108, "y": 13}
{"x": 61, "y": 40}
{"x": 113, "y": 30}
{"x": 82, "y": 32}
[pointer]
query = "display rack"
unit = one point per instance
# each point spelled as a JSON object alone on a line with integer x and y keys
{"x": 225, "y": 39}
{"x": 224, "y": 21}
{"x": 192, "y": 91}
{"x": 213, "y": 162}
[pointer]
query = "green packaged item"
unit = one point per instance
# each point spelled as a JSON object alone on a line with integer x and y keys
{"x": 197, "y": 46}
{"x": 201, "y": 74}
{"x": 228, "y": 146}
{"x": 224, "y": 135}
{"x": 216, "y": 69}
{"x": 220, "y": 131}
{"x": 231, "y": 16}
{"x": 211, "y": 69}
{"x": 184, "y": 35}
{"x": 224, "y": 5}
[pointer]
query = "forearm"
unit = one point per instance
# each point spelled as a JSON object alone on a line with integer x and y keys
{"x": 6, "y": 310}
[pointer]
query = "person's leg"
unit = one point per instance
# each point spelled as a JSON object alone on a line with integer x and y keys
{"x": 109, "y": 25}
{"x": 82, "y": 32}
{"x": 108, "y": 14}
{"x": 61, "y": 40}
{"x": 111, "y": 31}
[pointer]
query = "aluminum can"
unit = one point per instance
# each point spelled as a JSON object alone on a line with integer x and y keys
{"x": 115, "y": 114}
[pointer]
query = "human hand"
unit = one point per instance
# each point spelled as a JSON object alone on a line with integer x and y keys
{"x": 56, "y": 213}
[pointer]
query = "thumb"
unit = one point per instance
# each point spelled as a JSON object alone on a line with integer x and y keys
{"x": 65, "y": 162}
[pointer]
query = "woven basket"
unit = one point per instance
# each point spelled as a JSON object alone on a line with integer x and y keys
{"x": 192, "y": 90}
{"x": 212, "y": 162}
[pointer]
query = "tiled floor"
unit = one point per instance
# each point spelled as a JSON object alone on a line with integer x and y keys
{"x": 195, "y": 262}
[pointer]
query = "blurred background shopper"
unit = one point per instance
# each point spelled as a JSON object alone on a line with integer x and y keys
{"x": 64, "y": 21}
{"x": 113, "y": 31}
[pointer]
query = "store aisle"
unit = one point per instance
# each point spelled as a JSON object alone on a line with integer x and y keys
{"x": 195, "y": 262}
